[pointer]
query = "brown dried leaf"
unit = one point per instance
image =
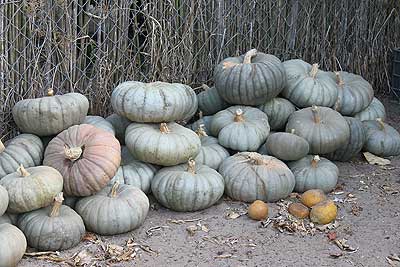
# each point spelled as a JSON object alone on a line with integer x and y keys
{"x": 83, "y": 258}
{"x": 372, "y": 159}
{"x": 342, "y": 244}
{"x": 91, "y": 237}
{"x": 331, "y": 235}
{"x": 336, "y": 254}
{"x": 389, "y": 190}
{"x": 232, "y": 214}
{"x": 192, "y": 229}
{"x": 204, "y": 228}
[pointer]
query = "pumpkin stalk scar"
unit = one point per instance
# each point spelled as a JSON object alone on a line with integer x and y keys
{"x": 339, "y": 79}
{"x": 2, "y": 147}
{"x": 200, "y": 131}
{"x": 315, "y": 111}
{"x": 164, "y": 128}
{"x": 238, "y": 116}
{"x": 58, "y": 200}
{"x": 50, "y": 92}
{"x": 314, "y": 70}
{"x": 314, "y": 161}
{"x": 72, "y": 153}
{"x": 114, "y": 189}
{"x": 200, "y": 114}
{"x": 249, "y": 54}
{"x": 381, "y": 124}
{"x": 229, "y": 64}
{"x": 191, "y": 166}
{"x": 205, "y": 87}
{"x": 22, "y": 171}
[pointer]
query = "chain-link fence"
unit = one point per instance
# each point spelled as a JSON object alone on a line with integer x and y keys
{"x": 89, "y": 46}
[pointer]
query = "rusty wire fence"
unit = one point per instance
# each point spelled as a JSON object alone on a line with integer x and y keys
{"x": 89, "y": 46}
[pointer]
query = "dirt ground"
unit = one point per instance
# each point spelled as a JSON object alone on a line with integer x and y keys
{"x": 369, "y": 219}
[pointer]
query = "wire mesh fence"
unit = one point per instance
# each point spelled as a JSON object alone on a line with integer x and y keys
{"x": 89, "y": 46}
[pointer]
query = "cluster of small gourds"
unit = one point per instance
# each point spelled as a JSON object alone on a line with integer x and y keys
{"x": 105, "y": 167}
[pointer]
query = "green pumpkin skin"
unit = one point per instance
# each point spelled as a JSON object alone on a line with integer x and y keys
{"x": 381, "y": 139}
{"x": 210, "y": 102}
{"x": 211, "y": 154}
{"x": 287, "y": 146}
{"x": 3, "y": 200}
{"x": 184, "y": 188}
{"x": 313, "y": 172}
{"x": 9, "y": 218}
{"x": 99, "y": 122}
{"x": 13, "y": 245}
{"x": 278, "y": 111}
{"x": 119, "y": 124}
{"x": 375, "y": 110}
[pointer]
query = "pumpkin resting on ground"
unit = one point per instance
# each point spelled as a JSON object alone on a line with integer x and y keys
{"x": 312, "y": 197}
{"x": 298, "y": 210}
{"x": 258, "y": 210}
{"x": 12, "y": 245}
{"x": 323, "y": 212}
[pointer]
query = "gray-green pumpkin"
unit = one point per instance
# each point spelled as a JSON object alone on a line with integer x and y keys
{"x": 154, "y": 102}
{"x": 307, "y": 85}
{"x": 354, "y": 93}
{"x": 250, "y": 79}
{"x": 12, "y": 245}
{"x": 25, "y": 149}
{"x": 250, "y": 176}
{"x": 187, "y": 187}
{"x": 278, "y": 111}
{"x": 375, "y": 110}
{"x": 205, "y": 121}
{"x": 381, "y": 139}
{"x": 313, "y": 172}
{"x": 211, "y": 152}
{"x": 9, "y": 218}
{"x": 32, "y": 188}
{"x": 51, "y": 114}
{"x": 240, "y": 128}
{"x": 210, "y": 102}
{"x": 324, "y": 129}
{"x": 61, "y": 226}
{"x": 134, "y": 172}
{"x": 163, "y": 144}
{"x": 119, "y": 124}
{"x": 71, "y": 201}
{"x": 354, "y": 144}
{"x": 3, "y": 200}
{"x": 115, "y": 210}
{"x": 99, "y": 122}
{"x": 287, "y": 146}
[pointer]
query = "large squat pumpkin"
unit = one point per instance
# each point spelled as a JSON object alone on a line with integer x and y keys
{"x": 86, "y": 156}
{"x": 381, "y": 139}
{"x": 375, "y": 110}
{"x": 210, "y": 102}
{"x": 51, "y": 114}
{"x": 278, "y": 111}
{"x": 250, "y": 79}
{"x": 287, "y": 146}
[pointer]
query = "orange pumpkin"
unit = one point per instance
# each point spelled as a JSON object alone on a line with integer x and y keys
{"x": 312, "y": 197}
{"x": 323, "y": 212}
{"x": 298, "y": 210}
{"x": 258, "y": 210}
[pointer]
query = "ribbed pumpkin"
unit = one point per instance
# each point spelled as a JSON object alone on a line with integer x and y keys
{"x": 86, "y": 156}
{"x": 32, "y": 188}
{"x": 51, "y": 114}
{"x": 187, "y": 187}
{"x": 375, "y": 110}
{"x": 12, "y": 245}
{"x": 163, "y": 144}
{"x": 324, "y": 129}
{"x": 354, "y": 144}
{"x": 381, "y": 138}
{"x": 250, "y": 79}
{"x": 211, "y": 152}
{"x": 240, "y": 128}
{"x": 278, "y": 111}
{"x": 250, "y": 176}
{"x": 70, "y": 201}
{"x": 154, "y": 102}
{"x": 25, "y": 149}
{"x": 134, "y": 172}
{"x": 287, "y": 146}
{"x": 313, "y": 172}
{"x": 354, "y": 93}
{"x": 210, "y": 102}
{"x": 61, "y": 226}
{"x": 115, "y": 210}
{"x": 205, "y": 121}
{"x": 9, "y": 218}
{"x": 119, "y": 124}
{"x": 307, "y": 85}
{"x": 3, "y": 200}
{"x": 99, "y": 122}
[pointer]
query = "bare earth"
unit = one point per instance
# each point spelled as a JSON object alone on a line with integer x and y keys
{"x": 369, "y": 219}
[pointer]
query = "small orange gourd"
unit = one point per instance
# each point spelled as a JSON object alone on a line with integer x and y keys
{"x": 312, "y": 197}
{"x": 258, "y": 210}
{"x": 298, "y": 210}
{"x": 323, "y": 212}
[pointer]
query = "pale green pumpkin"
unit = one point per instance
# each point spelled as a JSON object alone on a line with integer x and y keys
{"x": 119, "y": 124}
{"x": 210, "y": 102}
{"x": 375, "y": 110}
{"x": 278, "y": 111}
{"x": 3, "y": 200}
{"x": 12, "y": 245}
{"x": 287, "y": 146}
{"x": 100, "y": 123}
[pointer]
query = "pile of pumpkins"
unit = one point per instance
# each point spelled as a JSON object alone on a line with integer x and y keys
{"x": 265, "y": 129}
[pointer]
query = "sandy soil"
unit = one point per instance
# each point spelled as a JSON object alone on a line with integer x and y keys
{"x": 369, "y": 219}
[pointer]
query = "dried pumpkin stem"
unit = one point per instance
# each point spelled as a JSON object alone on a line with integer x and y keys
{"x": 58, "y": 200}
{"x": 200, "y": 131}
{"x": 249, "y": 54}
{"x": 72, "y": 153}
{"x": 200, "y": 114}
{"x": 314, "y": 70}
{"x": 314, "y": 161}
{"x": 191, "y": 166}
{"x": 238, "y": 115}
{"x": 2, "y": 147}
{"x": 205, "y": 87}
{"x": 315, "y": 111}
{"x": 256, "y": 158}
{"x": 114, "y": 189}
{"x": 22, "y": 171}
{"x": 381, "y": 123}
{"x": 164, "y": 128}
{"x": 339, "y": 79}
{"x": 50, "y": 92}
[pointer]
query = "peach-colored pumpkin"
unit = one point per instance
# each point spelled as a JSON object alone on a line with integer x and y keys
{"x": 87, "y": 158}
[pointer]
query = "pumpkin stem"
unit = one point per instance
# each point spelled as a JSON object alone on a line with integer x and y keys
{"x": 238, "y": 115}
{"x": 50, "y": 92}
{"x": 256, "y": 158}
{"x": 164, "y": 128}
{"x": 293, "y": 131}
{"x": 339, "y": 79}
{"x": 315, "y": 111}
{"x": 314, "y": 70}
{"x": 200, "y": 114}
{"x": 200, "y": 131}
{"x": 381, "y": 123}
{"x": 314, "y": 161}
{"x": 205, "y": 87}
{"x": 249, "y": 54}
{"x": 191, "y": 166}
{"x": 22, "y": 171}
{"x": 2, "y": 147}
{"x": 72, "y": 153}
{"x": 114, "y": 189}
{"x": 58, "y": 200}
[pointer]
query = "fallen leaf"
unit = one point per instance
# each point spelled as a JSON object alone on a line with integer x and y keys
{"x": 232, "y": 215}
{"x": 91, "y": 237}
{"x": 342, "y": 244}
{"x": 394, "y": 257}
{"x": 192, "y": 229}
{"x": 149, "y": 232}
{"x": 41, "y": 253}
{"x": 204, "y": 228}
{"x": 83, "y": 258}
{"x": 331, "y": 235}
{"x": 223, "y": 256}
{"x": 389, "y": 190}
{"x": 182, "y": 221}
{"x": 372, "y": 159}
{"x": 336, "y": 254}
